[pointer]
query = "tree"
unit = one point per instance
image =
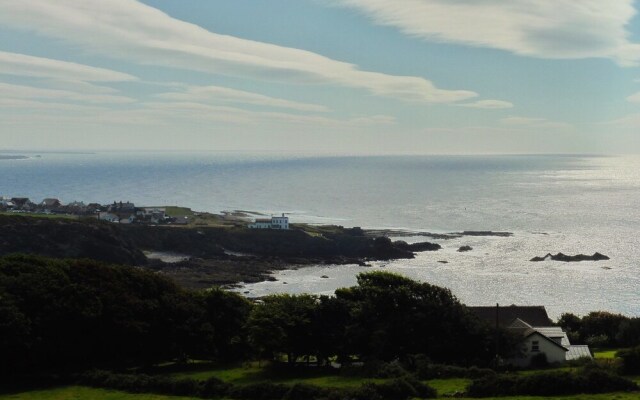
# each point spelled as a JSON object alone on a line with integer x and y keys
{"x": 394, "y": 316}
{"x": 283, "y": 324}
{"x": 226, "y": 313}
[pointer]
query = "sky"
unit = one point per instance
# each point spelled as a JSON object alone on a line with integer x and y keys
{"x": 321, "y": 76}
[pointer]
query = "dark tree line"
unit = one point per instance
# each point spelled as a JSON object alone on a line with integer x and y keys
{"x": 63, "y": 315}
{"x": 602, "y": 329}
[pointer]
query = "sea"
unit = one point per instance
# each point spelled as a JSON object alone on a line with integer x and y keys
{"x": 551, "y": 203}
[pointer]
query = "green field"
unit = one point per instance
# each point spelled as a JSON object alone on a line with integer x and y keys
{"x": 84, "y": 393}
{"x": 243, "y": 375}
{"x": 605, "y": 353}
{"x": 40, "y": 215}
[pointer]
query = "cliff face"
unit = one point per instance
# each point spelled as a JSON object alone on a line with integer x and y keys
{"x": 66, "y": 238}
{"x": 287, "y": 244}
{"x": 123, "y": 244}
{"x": 214, "y": 255}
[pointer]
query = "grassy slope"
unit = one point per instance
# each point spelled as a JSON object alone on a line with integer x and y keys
{"x": 84, "y": 393}
{"x": 41, "y": 215}
{"x": 80, "y": 393}
{"x": 254, "y": 374}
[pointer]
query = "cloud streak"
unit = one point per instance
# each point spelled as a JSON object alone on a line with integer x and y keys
{"x": 554, "y": 29}
{"x": 29, "y": 92}
{"x": 488, "y": 104}
{"x": 227, "y": 95}
{"x": 130, "y": 30}
{"x": 39, "y": 67}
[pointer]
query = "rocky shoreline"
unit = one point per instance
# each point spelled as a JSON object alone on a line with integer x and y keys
{"x": 208, "y": 255}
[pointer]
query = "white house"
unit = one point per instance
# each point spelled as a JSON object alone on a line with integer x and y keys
{"x": 273, "y": 223}
{"x": 539, "y": 334}
{"x": 107, "y": 216}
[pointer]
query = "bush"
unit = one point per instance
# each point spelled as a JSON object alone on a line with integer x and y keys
{"x": 630, "y": 360}
{"x": 426, "y": 371}
{"x": 301, "y": 391}
{"x": 259, "y": 391}
{"x": 589, "y": 380}
{"x": 141, "y": 383}
{"x": 375, "y": 369}
{"x": 395, "y": 389}
{"x": 596, "y": 380}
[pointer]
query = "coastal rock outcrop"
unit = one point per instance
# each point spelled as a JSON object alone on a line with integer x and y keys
{"x": 567, "y": 258}
{"x": 424, "y": 246}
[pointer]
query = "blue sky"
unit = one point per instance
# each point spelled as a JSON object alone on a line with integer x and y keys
{"x": 331, "y": 76}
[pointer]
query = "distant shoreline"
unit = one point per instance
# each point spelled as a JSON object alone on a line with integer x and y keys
{"x": 13, "y": 157}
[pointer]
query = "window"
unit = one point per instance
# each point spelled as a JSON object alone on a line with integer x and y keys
{"x": 535, "y": 346}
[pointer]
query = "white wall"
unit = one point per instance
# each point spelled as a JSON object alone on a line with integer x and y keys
{"x": 555, "y": 354}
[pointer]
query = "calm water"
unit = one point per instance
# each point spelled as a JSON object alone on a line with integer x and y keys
{"x": 573, "y": 204}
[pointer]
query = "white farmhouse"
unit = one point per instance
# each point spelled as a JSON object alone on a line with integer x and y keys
{"x": 539, "y": 334}
{"x": 273, "y": 223}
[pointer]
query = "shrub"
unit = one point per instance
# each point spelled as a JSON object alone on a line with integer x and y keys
{"x": 589, "y": 380}
{"x": 425, "y": 371}
{"x": 259, "y": 391}
{"x": 596, "y": 380}
{"x": 375, "y": 369}
{"x": 630, "y": 360}
{"x": 141, "y": 383}
{"x": 301, "y": 391}
{"x": 395, "y": 389}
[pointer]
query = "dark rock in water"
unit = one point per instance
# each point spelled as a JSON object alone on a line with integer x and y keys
{"x": 443, "y": 262}
{"x": 324, "y": 277}
{"x": 424, "y": 246}
{"x": 485, "y": 233}
{"x": 566, "y": 258}
{"x": 465, "y": 248}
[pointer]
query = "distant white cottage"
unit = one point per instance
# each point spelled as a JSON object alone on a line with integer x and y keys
{"x": 273, "y": 223}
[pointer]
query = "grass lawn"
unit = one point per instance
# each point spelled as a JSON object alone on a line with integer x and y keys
{"x": 605, "y": 353}
{"x": 40, "y": 215}
{"x": 84, "y": 393}
{"x": 243, "y": 375}
{"x": 173, "y": 211}
{"x": 449, "y": 386}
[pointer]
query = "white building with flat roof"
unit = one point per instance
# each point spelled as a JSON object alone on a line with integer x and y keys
{"x": 273, "y": 223}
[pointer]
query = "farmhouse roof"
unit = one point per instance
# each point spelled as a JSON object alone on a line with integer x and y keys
{"x": 532, "y": 315}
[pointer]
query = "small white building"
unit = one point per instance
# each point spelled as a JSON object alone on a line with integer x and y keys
{"x": 273, "y": 223}
{"x": 107, "y": 216}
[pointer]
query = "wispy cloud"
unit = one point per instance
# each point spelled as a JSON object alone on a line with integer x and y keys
{"x": 227, "y": 95}
{"x": 40, "y": 67}
{"x": 488, "y": 104}
{"x": 634, "y": 98}
{"x": 537, "y": 123}
{"x": 131, "y": 30}
{"x": 630, "y": 121}
{"x": 29, "y": 92}
{"x": 556, "y": 29}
